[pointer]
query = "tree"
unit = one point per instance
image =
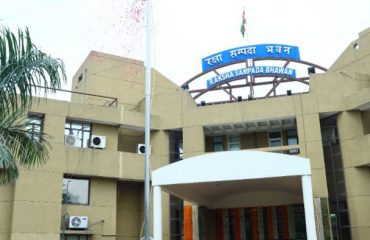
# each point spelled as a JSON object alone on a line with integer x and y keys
{"x": 23, "y": 67}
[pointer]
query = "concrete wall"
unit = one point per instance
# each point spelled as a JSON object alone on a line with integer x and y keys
{"x": 32, "y": 208}
{"x": 344, "y": 89}
{"x": 356, "y": 178}
{"x": 101, "y": 210}
{"x": 6, "y": 210}
{"x": 130, "y": 205}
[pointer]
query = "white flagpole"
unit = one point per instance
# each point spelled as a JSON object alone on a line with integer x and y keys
{"x": 149, "y": 27}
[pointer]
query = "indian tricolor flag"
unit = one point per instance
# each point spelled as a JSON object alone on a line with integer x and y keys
{"x": 244, "y": 21}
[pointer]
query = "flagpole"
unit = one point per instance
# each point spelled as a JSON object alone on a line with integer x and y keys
{"x": 149, "y": 27}
{"x": 249, "y": 62}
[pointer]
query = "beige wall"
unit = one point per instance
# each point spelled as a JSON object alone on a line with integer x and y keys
{"x": 354, "y": 60}
{"x": 116, "y": 198}
{"x": 110, "y": 132}
{"x": 356, "y": 178}
{"x": 32, "y": 208}
{"x": 36, "y": 206}
{"x": 118, "y": 77}
{"x": 128, "y": 140}
{"x": 6, "y": 209}
{"x": 101, "y": 209}
{"x": 129, "y": 208}
{"x": 194, "y": 143}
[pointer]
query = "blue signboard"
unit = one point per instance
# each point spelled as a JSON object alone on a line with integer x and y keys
{"x": 250, "y": 52}
{"x": 252, "y": 71}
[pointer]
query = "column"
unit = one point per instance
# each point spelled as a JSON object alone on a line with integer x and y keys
{"x": 308, "y": 207}
{"x": 157, "y": 213}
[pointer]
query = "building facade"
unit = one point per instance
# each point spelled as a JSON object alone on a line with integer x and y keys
{"x": 96, "y": 169}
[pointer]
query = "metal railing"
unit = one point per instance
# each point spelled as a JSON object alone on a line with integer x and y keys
{"x": 112, "y": 102}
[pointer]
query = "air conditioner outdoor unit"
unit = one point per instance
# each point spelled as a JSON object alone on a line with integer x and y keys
{"x": 71, "y": 140}
{"x": 97, "y": 141}
{"x": 141, "y": 148}
{"x": 78, "y": 222}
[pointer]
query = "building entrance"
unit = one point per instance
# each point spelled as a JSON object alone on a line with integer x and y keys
{"x": 252, "y": 223}
{"x": 231, "y": 183}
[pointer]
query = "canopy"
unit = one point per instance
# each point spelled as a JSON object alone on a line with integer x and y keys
{"x": 237, "y": 179}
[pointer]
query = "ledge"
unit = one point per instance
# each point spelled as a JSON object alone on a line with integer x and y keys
{"x": 76, "y": 232}
{"x": 359, "y": 100}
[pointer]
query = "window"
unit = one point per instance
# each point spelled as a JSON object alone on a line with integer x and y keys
{"x": 275, "y": 139}
{"x": 75, "y": 191}
{"x": 35, "y": 125}
{"x": 234, "y": 143}
{"x": 335, "y": 178}
{"x": 292, "y": 138}
{"x": 176, "y": 146}
{"x": 218, "y": 144}
{"x": 181, "y": 151}
{"x": 77, "y": 134}
{"x": 176, "y": 204}
{"x": 176, "y": 218}
{"x": 74, "y": 237}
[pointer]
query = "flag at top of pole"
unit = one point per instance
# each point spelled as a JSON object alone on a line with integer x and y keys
{"x": 244, "y": 21}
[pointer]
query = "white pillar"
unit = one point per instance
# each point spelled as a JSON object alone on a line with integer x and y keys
{"x": 308, "y": 207}
{"x": 157, "y": 213}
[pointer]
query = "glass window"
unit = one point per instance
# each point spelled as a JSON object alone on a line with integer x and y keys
{"x": 275, "y": 139}
{"x": 218, "y": 144}
{"x": 275, "y": 142}
{"x": 292, "y": 141}
{"x": 275, "y": 134}
{"x": 335, "y": 178}
{"x": 292, "y": 138}
{"x": 77, "y": 134}
{"x": 181, "y": 151}
{"x": 35, "y": 125}
{"x": 176, "y": 146}
{"x": 234, "y": 142}
{"x": 176, "y": 204}
{"x": 75, "y": 191}
{"x": 176, "y": 218}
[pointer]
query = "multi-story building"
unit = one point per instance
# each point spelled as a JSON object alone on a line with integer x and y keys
{"x": 95, "y": 170}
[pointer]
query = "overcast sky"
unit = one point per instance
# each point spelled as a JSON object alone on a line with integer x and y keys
{"x": 186, "y": 31}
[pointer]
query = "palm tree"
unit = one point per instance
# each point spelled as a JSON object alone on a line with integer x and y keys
{"x": 23, "y": 67}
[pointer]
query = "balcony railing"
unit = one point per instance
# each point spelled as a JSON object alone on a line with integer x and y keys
{"x": 291, "y": 149}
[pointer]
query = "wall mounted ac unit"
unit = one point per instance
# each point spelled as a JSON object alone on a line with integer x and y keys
{"x": 97, "y": 141}
{"x": 141, "y": 149}
{"x": 71, "y": 140}
{"x": 78, "y": 222}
